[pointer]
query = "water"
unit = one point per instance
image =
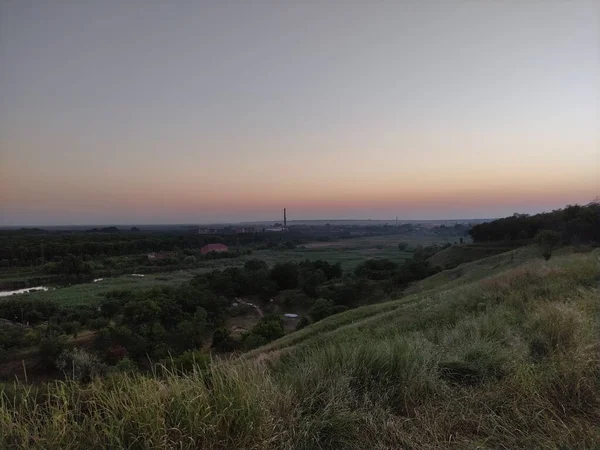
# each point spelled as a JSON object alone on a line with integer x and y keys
{"x": 22, "y": 291}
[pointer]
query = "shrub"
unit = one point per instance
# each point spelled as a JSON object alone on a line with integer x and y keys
{"x": 51, "y": 347}
{"x": 191, "y": 360}
{"x": 222, "y": 341}
{"x": 547, "y": 240}
{"x": 321, "y": 309}
{"x": 304, "y": 322}
{"x": 125, "y": 365}
{"x": 252, "y": 340}
{"x": 80, "y": 365}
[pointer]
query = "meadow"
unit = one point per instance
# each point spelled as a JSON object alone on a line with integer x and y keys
{"x": 506, "y": 357}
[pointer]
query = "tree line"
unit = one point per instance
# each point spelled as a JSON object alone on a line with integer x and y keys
{"x": 576, "y": 225}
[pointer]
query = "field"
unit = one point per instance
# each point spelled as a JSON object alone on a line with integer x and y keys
{"x": 348, "y": 252}
{"x": 502, "y": 353}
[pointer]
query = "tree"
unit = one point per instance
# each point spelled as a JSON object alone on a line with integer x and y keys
{"x": 50, "y": 347}
{"x": 285, "y": 275}
{"x": 310, "y": 280}
{"x": 321, "y": 309}
{"x": 269, "y": 327}
{"x": 402, "y": 246}
{"x": 547, "y": 240}
{"x": 222, "y": 341}
{"x": 254, "y": 265}
{"x": 190, "y": 333}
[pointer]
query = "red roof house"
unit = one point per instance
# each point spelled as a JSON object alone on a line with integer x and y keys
{"x": 213, "y": 248}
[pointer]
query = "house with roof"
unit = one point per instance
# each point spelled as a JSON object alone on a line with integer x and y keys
{"x": 219, "y": 248}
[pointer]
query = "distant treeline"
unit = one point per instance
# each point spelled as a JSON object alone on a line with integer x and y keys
{"x": 18, "y": 248}
{"x": 575, "y": 223}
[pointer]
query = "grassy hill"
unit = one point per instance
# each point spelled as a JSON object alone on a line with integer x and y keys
{"x": 463, "y": 253}
{"x": 502, "y": 352}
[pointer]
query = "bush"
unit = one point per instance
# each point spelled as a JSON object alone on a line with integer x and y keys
{"x": 285, "y": 275}
{"x": 321, "y": 309}
{"x": 80, "y": 365}
{"x": 547, "y": 240}
{"x": 252, "y": 340}
{"x": 191, "y": 360}
{"x": 303, "y": 323}
{"x": 222, "y": 341}
{"x": 51, "y": 347}
{"x": 376, "y": 269}
{"x": 125, "y": 365}
{"x": 269, "y": 327}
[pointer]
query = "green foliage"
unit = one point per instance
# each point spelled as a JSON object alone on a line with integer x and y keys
{"x": 575, "y": 223}
{"x": 285, "y": 275}
{"x": 269, "y": 327}
{"x": 255, "y": 265}
{"x": 310, "y": 281}
{"x": 223, "y": 342}
{"x": 302, "y": 323}
{"x": 125, "y": 365}
{"x": 26, "y": 310}
{"x": 190, "y": 361}
{"x": 51, "y": 346}
{"x": 252, "y": 340}
{"x": 79, "y": 365}
{"x": 321, "y": 309}
{"x": 266, "y": 330}
{"x": 547, "y": 240}
{"x": 15, "y": 336}
{"x": 376, "y": 269}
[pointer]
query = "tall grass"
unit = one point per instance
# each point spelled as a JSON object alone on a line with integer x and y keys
{"x": 509, "y": 361}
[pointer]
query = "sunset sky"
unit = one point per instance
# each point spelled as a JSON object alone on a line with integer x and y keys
{"x": 134, "y": 112}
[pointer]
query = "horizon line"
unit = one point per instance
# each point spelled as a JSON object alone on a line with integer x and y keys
{"x": 246, "y": 222}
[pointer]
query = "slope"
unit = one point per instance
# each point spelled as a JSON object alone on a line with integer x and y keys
{"x": 504, "y": 355}
{"x": 463, "y": 253}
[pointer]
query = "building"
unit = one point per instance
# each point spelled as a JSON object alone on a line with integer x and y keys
{"x": 213, "y": 248}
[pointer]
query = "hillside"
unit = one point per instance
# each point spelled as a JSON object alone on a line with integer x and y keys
{"x": 503, "y": 352}
{"x": 463, "y": 253}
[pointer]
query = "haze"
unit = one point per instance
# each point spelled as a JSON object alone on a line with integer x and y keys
{"x": 188, "y": 111}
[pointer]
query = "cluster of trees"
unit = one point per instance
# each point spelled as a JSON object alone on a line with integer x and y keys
{"x": 576, "y": 224}
{"x": 159, "y": 322}
{"x": 257, "y": 279}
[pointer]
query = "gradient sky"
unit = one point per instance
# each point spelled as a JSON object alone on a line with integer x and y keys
{"x": 125, "y": 111}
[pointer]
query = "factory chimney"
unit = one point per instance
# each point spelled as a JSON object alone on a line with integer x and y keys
{"x": 284, "y": 220}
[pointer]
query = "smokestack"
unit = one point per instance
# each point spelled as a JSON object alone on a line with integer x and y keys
{"x": 284, "y": 219}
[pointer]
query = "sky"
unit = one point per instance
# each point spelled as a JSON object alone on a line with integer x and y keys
{"x": 127, "y": 111}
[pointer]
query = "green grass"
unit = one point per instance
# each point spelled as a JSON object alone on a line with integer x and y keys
{"x": 91, "y": 293}
{"x": 464, "y": 253}
{"x": 507, "y": 357}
